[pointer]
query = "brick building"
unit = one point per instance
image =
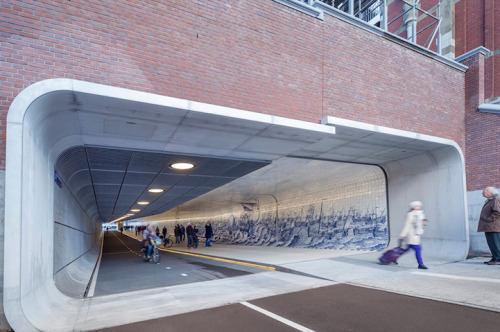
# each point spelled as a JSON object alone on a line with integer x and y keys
{"x": 115, "y": 75}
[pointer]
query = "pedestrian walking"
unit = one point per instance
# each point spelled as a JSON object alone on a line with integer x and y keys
{"x": 164, "y": 232}
{"x": 208, "y": 233}
{"x": 177, "y": 233}
{"x": 183, "y": 233}
{"x": 413, "y": 230}
{"x": 489, "y": 223}
{"x": 190, "y": 236}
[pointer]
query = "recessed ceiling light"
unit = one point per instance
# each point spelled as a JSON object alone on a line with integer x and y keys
{"x": 182, "y": 166}
{"x": 129, "y": 214}
{"x": 143, "y": 203}
{"x": 156, "y": 190}
{"x": 135, "y": 210}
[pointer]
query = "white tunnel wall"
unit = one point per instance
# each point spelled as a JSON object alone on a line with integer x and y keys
{"x": 53, "y": 238}
{"x": 76, "y": 244}
{"x": 437, "y": 180}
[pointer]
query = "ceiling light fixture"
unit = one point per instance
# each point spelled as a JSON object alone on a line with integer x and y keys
{"x": 181, "y": 166}
{"x": 143, "y": 203}
{"x": 156, "y": 190}
{"x": 135, "y": 210}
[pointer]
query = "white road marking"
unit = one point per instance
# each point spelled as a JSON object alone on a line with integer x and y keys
{"x": 276, "y": 317}
{"x": 184, "y": 275}
{"x": 450, "y": 276}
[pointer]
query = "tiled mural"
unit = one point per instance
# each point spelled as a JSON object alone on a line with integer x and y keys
{"x": 318, "y": 205}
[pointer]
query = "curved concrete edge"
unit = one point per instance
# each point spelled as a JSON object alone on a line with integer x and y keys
{"x": 31, "y": 298}
{"x": 12, "y": 243}
{"x": 50, "y": 310}
{"x": 22, "y": 102}
{"x": 74, "y": 279}
{"x": 28, "y": 263}
{"x": 435, "y": 177}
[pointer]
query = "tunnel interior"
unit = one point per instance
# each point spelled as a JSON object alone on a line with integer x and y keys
{"x": 295, "y": 203}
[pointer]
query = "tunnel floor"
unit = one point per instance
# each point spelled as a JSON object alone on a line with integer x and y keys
{"x": 322, "y": 292}
{"x": 122, "y": 268}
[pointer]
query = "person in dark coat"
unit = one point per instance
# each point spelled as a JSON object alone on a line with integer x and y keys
{"x": 183, "y": 233}
{"x": 190, "y": 236}
{"x": 489, "y": 223}
{"x": 164, "y": 232}
{"x": 208, "y": 233}
{"x": 177, "y": 233}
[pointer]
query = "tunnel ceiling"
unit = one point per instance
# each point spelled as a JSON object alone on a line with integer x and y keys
{"x": 108, "y": 183}
{"x": 97, "y": 117}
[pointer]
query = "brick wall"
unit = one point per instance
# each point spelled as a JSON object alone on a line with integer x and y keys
{"x": 478, "y": 24}
{"x": 492, "y": 42}
{"x": 482, "y": 155}
{"x": 257, "y": 55}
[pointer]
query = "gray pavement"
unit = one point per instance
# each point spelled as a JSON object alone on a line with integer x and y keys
{"x": 470, "y": 284}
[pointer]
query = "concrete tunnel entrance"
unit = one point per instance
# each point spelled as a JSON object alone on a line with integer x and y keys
{"x": 346, "y": 171}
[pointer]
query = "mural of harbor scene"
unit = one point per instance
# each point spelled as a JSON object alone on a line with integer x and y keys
{"x": 295, "y": 203}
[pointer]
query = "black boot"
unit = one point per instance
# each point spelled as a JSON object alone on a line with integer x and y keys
{"x": 422, "y": 266}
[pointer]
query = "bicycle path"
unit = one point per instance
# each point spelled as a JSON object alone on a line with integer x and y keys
{"x": 123, "y": 269}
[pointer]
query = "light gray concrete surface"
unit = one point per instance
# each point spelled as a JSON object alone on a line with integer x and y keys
{"x": 416, "y": 166}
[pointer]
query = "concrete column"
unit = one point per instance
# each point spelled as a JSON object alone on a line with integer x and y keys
{"x": 3, "y": 320}
{"x": 447, "y": 28}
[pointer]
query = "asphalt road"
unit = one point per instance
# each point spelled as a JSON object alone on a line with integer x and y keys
{"x": 334, "y": 308}
{"x": 340, "y": 307}
{"x": 122, "y": 260}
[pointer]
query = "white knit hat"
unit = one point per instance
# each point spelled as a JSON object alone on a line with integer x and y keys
{"x": 415, "y": 203}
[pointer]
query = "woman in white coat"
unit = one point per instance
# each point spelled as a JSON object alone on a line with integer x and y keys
{"x": 413, "y": 230}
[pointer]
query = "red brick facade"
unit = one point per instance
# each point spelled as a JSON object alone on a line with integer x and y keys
{"x": 478, "y": 24}
{"x": 257, "y": 55}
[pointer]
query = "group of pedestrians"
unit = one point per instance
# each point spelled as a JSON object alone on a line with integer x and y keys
{"x": 180, "y": 233}
{"x": 489, "y": 223}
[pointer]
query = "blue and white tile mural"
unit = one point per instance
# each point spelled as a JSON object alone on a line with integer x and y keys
{"x": 340, "y": 206}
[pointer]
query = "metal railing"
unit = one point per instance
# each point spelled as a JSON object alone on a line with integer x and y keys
{"x": 405, "y": 18}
